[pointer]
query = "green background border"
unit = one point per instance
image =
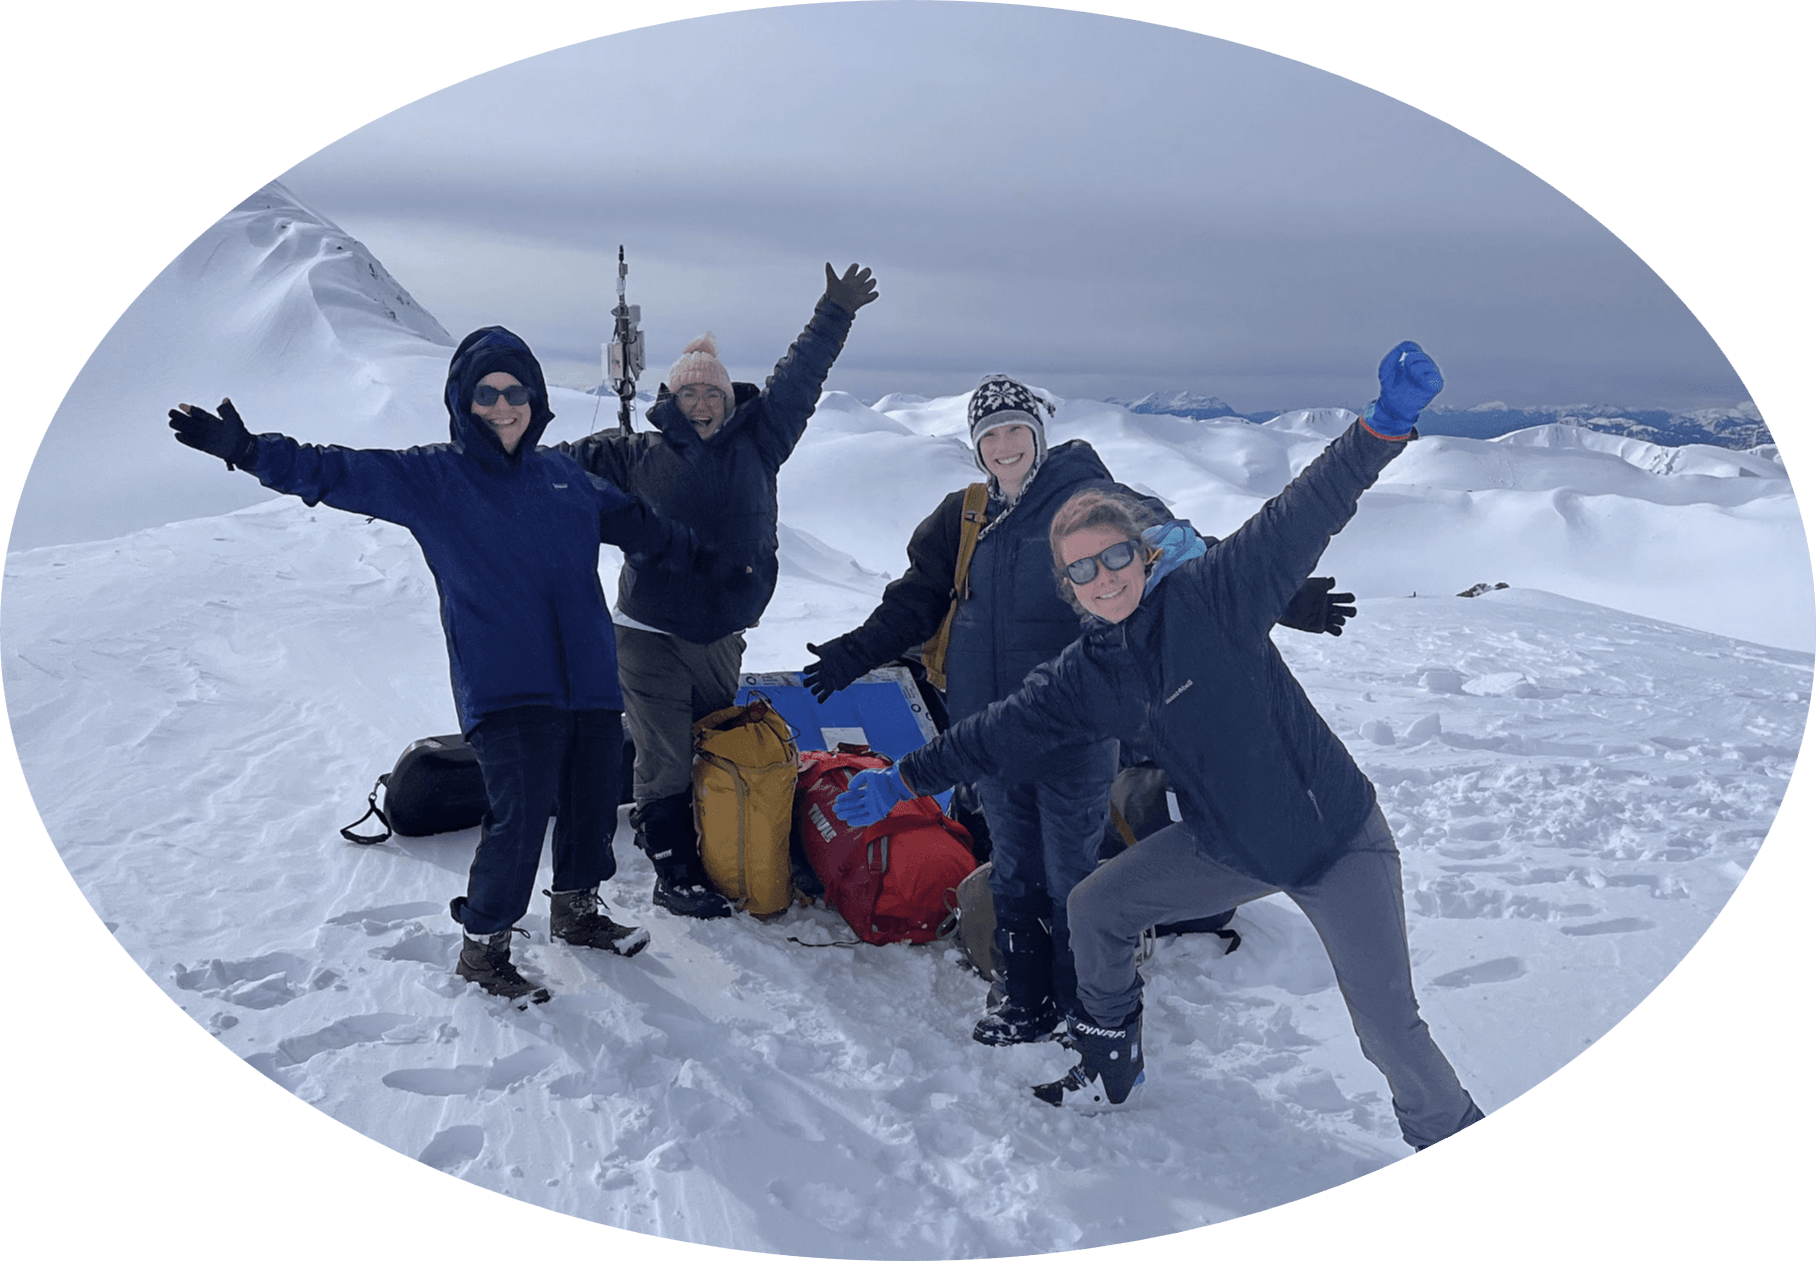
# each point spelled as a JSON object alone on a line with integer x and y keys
{"x": 1682, "y": 128}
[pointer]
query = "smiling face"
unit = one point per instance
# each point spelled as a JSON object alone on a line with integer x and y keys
{"x": 704, "y": 407}
{"x": 1008, "y": 455}
{"x": 1112, "y": 594}
{"x": 508, "y": 422}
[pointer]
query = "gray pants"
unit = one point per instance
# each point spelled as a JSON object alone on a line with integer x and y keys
{"x": 668, "y": 683}
{"x": 1357, "y": 907}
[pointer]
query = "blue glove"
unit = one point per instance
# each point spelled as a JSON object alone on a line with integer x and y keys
{"x": 1409, "y": 381}
{"x": 871, "y": 796}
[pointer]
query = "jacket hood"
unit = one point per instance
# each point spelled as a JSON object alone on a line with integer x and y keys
{"x": 1173, "y": 544}
{"x": 665, "y": 415}
{"x": 481, "y": 352}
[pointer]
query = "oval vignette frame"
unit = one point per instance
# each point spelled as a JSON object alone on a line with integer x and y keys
{"x": 124, "y": 1094}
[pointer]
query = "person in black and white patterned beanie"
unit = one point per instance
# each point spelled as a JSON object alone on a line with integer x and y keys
{"x": 1011, "y": 413}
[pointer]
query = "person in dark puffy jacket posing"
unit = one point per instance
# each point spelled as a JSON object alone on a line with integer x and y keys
{"x": 1045, "y": 835}
{"x": 1182, "y": 666}
{"x": 711, "y": 465}
{"x": 511, "y": 533}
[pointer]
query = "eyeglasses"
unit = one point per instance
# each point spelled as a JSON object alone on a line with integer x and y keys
{"x": 487, "y": 395}
{"x": 1114, "y": 557}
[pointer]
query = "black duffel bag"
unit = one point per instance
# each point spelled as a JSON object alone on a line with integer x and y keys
{"x": 435, "y": 787}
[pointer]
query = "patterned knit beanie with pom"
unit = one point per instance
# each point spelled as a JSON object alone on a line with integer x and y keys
{"x": 699, "y": 365}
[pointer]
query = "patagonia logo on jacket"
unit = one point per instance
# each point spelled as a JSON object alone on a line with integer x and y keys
{"x": 1179, "y": 691}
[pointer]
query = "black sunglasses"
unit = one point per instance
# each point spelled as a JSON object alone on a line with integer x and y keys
{"x": 1114, "y": 557}
{"x": 486, "y": 395}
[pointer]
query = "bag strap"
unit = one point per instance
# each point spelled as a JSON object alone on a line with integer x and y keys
{"x": 384, "y": 781}
{"x": 971, "y": 524}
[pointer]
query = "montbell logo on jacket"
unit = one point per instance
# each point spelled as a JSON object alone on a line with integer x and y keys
{"x": 512, "y": 539}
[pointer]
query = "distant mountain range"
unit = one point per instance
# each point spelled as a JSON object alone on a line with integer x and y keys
{"x": 1737, "y": 428}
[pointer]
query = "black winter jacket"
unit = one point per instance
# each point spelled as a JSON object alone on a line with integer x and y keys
{"x": 1192, "y": 679}
{"x": 512, "y": 540}
{"x": 1014, "y": 617}
{"x": 723, "y": 488}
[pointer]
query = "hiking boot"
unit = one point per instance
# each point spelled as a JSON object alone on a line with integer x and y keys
{"x": 578, "y": 918}
{"x": 678, "y": 894}
{"x": 665, "y": 832}
{"x": 1108, "y": 1070}
{"x": 1028, "y": 1014}
{"x": 486, "y": 961}
{"x": 1012, "y": 1023}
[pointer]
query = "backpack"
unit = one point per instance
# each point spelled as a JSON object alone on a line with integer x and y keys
{"x": 744, "y": 788}
{"x": 1141, "y": 803}
{"x": 971, "y": 524}
{"x": 435, "y": 787}
{"x": 894, "y": 880}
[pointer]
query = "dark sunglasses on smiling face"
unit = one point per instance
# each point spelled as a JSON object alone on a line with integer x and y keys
{"x": 487, "y": 395}
{"x": 1114, "y": 557}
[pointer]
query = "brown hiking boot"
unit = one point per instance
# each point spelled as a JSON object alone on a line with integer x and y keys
{"x": 486, "y": 961}
{"x": 579, "y": 919}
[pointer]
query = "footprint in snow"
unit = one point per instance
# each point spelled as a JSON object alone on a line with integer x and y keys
{"x": 266, "y": 981}
{"x": 1486, "y": 973}
{"x": 453, "y": 1147}
{"x": 1625, "y": 925}
{"x": 470, "y": 1079}
{"x": 383, "y": 919}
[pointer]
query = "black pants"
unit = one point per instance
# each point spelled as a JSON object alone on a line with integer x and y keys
{"x": 538, "y": 760}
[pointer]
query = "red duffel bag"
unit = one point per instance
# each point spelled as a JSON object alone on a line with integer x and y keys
{"x": 894, "y": 880}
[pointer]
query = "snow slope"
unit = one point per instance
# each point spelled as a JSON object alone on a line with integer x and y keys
{"x": 1578, "y": 779}
{"x": 199, "y": 706}
{"x": 274, "y": 306}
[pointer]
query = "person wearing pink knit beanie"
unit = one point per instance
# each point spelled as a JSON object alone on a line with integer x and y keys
{"x": 701, "y": 385}
{"x": 709, "y": 462}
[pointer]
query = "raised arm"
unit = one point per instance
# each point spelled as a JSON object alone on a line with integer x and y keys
{"x": 793, "y": 389}
{"x": 912, "y": 608}
{"x": 371, "y": 483}
{"x": 1261, "y": 567}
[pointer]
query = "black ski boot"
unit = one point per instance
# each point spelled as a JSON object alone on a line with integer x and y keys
{"x": 486, "y": 961}
{"x": 1028, "y": 1013}
{"x": 1108, "y": 1070}
{"x": 579, "y": 919}
{"x": 665, "y": 832}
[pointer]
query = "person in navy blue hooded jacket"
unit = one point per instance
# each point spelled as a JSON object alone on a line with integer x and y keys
{"x": 1046, "y": 835}
{"x": 1182, "y": 667}
{"x": 711, "y": 465}
{"x": 511, "y": 533}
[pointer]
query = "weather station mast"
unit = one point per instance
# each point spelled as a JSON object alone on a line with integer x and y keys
{"x": 623, "y": 354}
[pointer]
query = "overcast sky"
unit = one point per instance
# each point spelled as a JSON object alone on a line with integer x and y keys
{"x": 1101, "y": 206}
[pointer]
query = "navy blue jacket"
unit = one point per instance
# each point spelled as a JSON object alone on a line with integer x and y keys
{"x": 512, "y": 539}
{"x": 722, "y": 488}
{"x": 1192, "y": 679}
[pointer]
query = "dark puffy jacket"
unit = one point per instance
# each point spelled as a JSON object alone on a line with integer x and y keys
{"x": 512, "y": 539}
{"x": 1014, "y": 617}
{"x": 724, "y": 489}
{"x": 1192, "y": 678}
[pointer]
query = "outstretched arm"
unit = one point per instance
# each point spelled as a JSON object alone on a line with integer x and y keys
{"x": 910, "y": 612}
{"x": 371, "y": 483}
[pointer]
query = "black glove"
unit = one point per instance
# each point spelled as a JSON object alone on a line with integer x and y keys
{"x": 852, "y": 290}
{"x": 223, "y": 436}
{"x": 836, "y": 670}
{"x": 1316, "y": 609}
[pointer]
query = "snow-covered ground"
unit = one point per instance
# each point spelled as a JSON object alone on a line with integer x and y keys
{"x": 1579, "y": 769}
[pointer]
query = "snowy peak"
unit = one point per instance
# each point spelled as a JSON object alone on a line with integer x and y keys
{"x": 291, "y": 244}
{"x": 1180, "y": 403}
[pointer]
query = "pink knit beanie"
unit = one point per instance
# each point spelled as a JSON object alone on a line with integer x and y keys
{"x": 699, "y": 365}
